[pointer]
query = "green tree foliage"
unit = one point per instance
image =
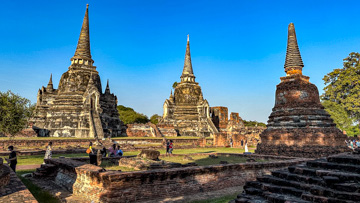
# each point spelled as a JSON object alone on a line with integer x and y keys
{"x": 174, "y": 85}
{"x": 342, "y": 94}
{"x": 254, "y": 123}
{"x": 155, "y": 119}
{"x": 14, "y": 112}
{"x": 343, "y": 85}
{"x": 128, "y": 115}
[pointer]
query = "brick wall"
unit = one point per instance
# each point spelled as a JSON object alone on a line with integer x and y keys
{"x": 94, "y": 184}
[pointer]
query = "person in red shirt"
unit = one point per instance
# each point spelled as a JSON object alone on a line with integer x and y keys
{"x": 171, "y": 147}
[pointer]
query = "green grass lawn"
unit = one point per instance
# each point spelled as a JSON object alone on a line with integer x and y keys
{"x": 40, "y": 195}
{"x": 38, "y": 159}
{"x": 223, "y": 199}
{"x": 207, "y": 150}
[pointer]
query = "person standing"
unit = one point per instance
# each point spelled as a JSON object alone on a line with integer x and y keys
{"x": 246, "y": 147}
{"x": 167, "y": 148}
{"x": 171, "y": 147}
{"x": 48, "y": 153}
{"x": 92, "y": 156}
{"x": 231, "y": 142}
{"x": 12, "y": 158}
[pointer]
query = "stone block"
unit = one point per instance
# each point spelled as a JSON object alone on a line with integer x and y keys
{"x": 149, "y": 154}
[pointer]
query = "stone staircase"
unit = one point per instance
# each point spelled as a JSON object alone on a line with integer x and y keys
{"x": 45, "y": 170}
{"x": 332, "y": 179}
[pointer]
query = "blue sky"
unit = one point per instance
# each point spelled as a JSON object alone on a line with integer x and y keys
{"x": 237, "y": 47}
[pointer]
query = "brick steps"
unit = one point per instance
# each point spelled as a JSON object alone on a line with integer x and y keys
{"x": 45, "y": 170}
{"x": 335, "y": 179}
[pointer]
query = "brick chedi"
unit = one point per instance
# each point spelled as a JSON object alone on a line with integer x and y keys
{"x": 78, "y": 108}
{"x": 298, "y": 124}
{"x": 186, "y": 109}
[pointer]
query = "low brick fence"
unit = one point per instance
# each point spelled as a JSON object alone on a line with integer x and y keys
{"x": 95, "y": 184}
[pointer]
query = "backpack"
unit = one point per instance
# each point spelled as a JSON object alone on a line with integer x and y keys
{"x": 88, "y": 151}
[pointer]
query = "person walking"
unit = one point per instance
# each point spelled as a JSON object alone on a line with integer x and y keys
{"x": 167, "y": 148}
{"x": 246, "y": 147}
{"x": 48, "y": 153}
{"x": 171, "y": 147}
{"x": 12, "y": 160}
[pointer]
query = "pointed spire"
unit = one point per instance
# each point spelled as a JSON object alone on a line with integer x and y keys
{"x": 82, "y": 54}
{"x": 50, "y": 84}
{"x": 293, "y": 62}
{"x": 50, "y": 81}
{"x": 107, "y": 89}
{"x": 187, "y": 74}
{"x": 171, "y": 94}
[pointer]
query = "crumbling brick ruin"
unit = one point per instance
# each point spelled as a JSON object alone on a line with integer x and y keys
{"x": 186, "y": 109}
{"x": 78, "y": 108}
{"x": 298, "y": 124}
{"x": 233, "y": 128}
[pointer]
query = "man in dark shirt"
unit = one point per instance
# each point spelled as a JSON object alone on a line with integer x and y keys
{"x": 12, "y": 158}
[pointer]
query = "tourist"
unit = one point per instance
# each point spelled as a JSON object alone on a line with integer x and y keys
{"x": 112, "y": 151}
{"x": 12, "y": 158}
{"x": 92, "y": 156}
{"x": 167, "y": 148}
{"x": 103, "y": 152}
{"x": 48, "y": 153}
{"x": 242, "y": 143}
{"x": 351, "y": 145}
{"x": 119, "y": 152}
{"x": 246, "y": 147}
{"x": 171, "y": 147}
{"x": 231, "y": 142}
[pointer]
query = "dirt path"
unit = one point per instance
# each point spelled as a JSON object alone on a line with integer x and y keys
{"x": 27, "y": 167}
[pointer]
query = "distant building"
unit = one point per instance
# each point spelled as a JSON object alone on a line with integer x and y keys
{"x": 78, "y": 108}
{"x": 186, "y": 110}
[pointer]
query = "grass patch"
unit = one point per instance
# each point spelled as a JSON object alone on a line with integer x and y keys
{"x": 207, "y": 150}
{"x": 40, "y": 195}
{"x": 223, "y": 199}
{"x": 39, "y": 159}
{"x": 110, "y": 166}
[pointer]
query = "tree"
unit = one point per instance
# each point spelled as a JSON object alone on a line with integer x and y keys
{"x": 343, "y": 88}
{"x": 155, "y": 119}
{"x": 254, "y": 123}
{"x": 129, "y": 116}
{"x": 14, "y": 112}
{"x": 341, "y": 117}
{"x": 174, "y": 85}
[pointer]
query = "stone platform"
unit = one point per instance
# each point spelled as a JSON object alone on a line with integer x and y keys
{"x": 332, "y": 179}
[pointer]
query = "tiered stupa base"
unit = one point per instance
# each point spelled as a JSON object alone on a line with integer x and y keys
{"x": 299, "y": 126}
